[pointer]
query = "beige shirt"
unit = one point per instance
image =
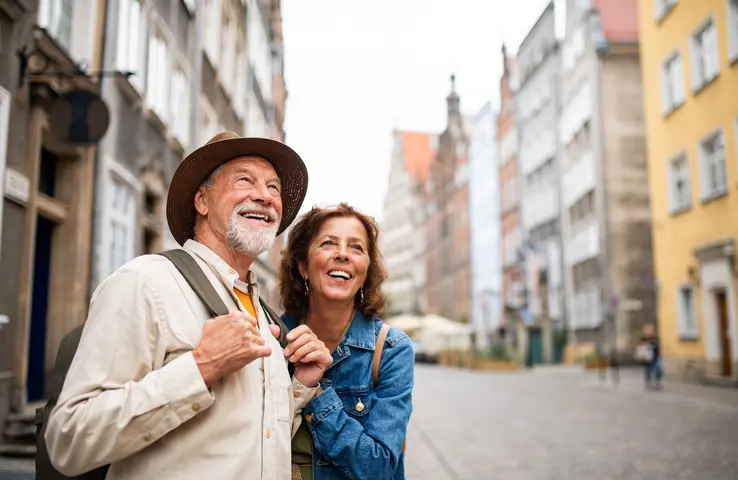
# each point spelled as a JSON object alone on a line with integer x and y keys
{"x": 135, "y": 398}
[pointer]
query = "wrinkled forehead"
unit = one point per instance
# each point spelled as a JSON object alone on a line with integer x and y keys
{"x": 251, "y": 163}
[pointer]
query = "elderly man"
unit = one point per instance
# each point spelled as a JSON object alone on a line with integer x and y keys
{"x": 159, "y": 390}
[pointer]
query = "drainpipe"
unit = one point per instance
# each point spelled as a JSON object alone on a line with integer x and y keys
{"x": 98, "y": 192}
{"x": 609, "y": 328}
{"x": 196, "y": 84}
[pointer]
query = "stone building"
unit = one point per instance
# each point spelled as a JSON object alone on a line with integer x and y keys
{"x": 484, "y": 225}
{"x": 507, "y": 134}
{"x": 46, "y": 49}
{"x": 540, "y": 255}
{"x": 605, "y": 200}
{"x": 403, "y": 237}
{"x": 448, "y": 243}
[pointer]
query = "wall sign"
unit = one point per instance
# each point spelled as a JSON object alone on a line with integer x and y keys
{"x": 17, "y": 186}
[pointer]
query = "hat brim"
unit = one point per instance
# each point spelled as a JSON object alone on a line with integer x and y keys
{"x": 198, "y": 165}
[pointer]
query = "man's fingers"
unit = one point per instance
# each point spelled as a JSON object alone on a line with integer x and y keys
{"x": 248, "y": 318}
{"x": 292, "y": 347}
{"x": 262, "y": 351}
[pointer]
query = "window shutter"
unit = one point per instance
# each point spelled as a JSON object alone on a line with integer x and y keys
{"x": 678, "y": 80}
{"x": 134, "y": 37}
{"x": 671, "y": 178}
{"x": 704, "y": 171}
{"x": 122, "y": 56}
{"x": 694, "y": 64}
{"x": 681, "y": 314}
{"x": 658, "y": 8}
{"x": 665, "y": 97}
{"x": 712, "y": 52}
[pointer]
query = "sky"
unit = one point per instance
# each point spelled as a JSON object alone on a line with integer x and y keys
{"x": 357, "y": 70}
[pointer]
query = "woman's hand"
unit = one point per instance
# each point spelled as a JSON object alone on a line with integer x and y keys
{"x": 309, "y": 354}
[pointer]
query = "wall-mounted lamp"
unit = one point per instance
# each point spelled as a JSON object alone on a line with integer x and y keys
{"x": 693, "y": 275}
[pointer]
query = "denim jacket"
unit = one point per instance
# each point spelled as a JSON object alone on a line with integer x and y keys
{"x": 358, "y": 430}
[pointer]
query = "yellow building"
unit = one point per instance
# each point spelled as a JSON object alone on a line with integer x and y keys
{"x": 689, "y": 60}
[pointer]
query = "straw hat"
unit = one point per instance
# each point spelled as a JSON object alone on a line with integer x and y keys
{"x": 225, "y": 146}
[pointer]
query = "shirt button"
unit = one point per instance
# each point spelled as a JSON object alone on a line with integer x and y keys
{"x": 268, "y": 433}
{"x": 147, "y": 438}
{"x": 231, "y": 271}
{"x": 296, "y": 394}
{"x": 196, "y": 407}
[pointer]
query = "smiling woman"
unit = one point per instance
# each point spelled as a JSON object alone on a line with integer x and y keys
{"x": 330, "y": 280}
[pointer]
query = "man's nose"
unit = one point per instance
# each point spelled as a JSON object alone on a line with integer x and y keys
{"x": 260, "y": 193}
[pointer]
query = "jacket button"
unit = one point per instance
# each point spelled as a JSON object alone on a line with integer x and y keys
{"x": 309, "y": 417}
{"x": 296, "y": 394}
{"x": 196, "y": 407}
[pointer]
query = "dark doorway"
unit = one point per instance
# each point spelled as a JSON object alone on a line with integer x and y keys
{"x": 721, "y": 299}
{"x": 535, "y": 345}
{"x": 39, "y": 309}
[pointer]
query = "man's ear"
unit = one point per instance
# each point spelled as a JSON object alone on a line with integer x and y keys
{"x": 201, "y": 204}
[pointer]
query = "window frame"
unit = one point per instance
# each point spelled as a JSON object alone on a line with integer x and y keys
{"x": 663, "y": 7}
{"x": 115, "y": 172}
{"x": 704, "y": 167}
{"x": 731, "y": 29}
{"x": 676, "y": 92}
{"x": 676, "y": 207}
{"x": 684, "y": 331}
{"x": 5, "y": 104}
{"x": 699, "y": 78}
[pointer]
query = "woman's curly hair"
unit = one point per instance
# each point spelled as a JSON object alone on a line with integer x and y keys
{"x": 301, "y": 235}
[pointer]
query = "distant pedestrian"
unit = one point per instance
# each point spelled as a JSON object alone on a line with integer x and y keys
{"x": 649, "y": 354}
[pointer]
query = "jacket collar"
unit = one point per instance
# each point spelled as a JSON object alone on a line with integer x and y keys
{"x": 228, "y": 274}
{"x": 361, "y": 334}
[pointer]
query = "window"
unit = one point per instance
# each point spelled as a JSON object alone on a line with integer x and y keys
{"x": 56, "y": 17}
{"x": 672, "y": 83}
{"x": 663, "y": 7}
{"x": 158, "y": 76}
{"x": 687, "y": 312}
{"x": 732, "y": 20}
{"x": 208, "y": 122}
{"x": 713, "y": 174}
{"x": 5, "y": 100}
{"x": 228, "y": 53}
{"x": 680, "y": 191}
{"x": 704, "y": 54}
{"x": 130, "y": 55}
{"x": 121, "y": 224}
{"x": 211, "y": 33}
{"x": 180, "y": 107}
{"x": 239, "y": 103}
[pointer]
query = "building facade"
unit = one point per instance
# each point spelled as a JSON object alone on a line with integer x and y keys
{"x": 448, "y": 247}
{"x": 606, "y": 206}
{"x": 47, "y": 189}
{"x": 402, "y": 239}
{"x": 689, "y": 59}
{"x": 507, "y": 134}
{"x": 484, "y": 224}
{"x": 537, "y": 116}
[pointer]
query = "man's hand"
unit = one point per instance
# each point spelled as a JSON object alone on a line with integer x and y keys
{"x": 309, "y": 354}
{"x": 228, "y": 343}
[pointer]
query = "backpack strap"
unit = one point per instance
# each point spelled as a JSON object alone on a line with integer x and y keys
{"x": 202, "y": 286}
{"x": 197, "y": 279}
{"x": 378, "y": 347}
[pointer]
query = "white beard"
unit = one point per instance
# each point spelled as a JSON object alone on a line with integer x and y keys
{"x": 251, "y": 240}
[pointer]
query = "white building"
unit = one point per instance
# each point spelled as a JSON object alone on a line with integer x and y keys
{"x": 403, "y": 239}
{"x": 484, "y": 218}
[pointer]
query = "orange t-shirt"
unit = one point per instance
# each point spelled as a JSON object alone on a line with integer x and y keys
{"x": 248, "y": 304}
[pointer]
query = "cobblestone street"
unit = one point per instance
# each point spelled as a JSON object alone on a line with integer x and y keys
{"x": 558, "y": 424}
{"x": 563, "y": 424}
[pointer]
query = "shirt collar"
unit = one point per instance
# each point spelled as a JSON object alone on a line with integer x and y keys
{"x": 225, "y": 271}
{"x": 361, "y": 334}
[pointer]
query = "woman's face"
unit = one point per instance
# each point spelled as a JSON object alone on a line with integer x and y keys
{"x": 338, "y": 259}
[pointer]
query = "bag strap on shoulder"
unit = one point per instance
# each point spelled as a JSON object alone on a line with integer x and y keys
{"x": 377, "y": 358}
{"x": 197, "y": 279}
{"x": 204, "y": 289}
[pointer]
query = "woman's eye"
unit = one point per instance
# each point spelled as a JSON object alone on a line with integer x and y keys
{"x": 357, "y": 247}
{"x": 327, "y": 242}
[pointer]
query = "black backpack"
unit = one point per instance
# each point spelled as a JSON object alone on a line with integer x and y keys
{"x": 196, "y": 278}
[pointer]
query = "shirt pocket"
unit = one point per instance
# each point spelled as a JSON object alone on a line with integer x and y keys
{"x": 283, "y": 391}
{"x": 357, "y": 402}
